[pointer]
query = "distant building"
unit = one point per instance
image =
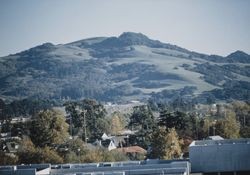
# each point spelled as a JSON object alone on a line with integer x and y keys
{"x": 110, "y": 142}
{"x": 217, "y": 137}
{"x": 10, "y": 147}
{"x": 127, "y": 132}
{"x": 7, "y": 136}
{"x": 132, "y": 149}
{"x": 212, "y": 157}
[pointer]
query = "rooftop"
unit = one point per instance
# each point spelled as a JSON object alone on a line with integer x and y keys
{"x": 220, "y": 142}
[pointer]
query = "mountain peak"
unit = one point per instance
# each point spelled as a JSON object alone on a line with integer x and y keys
{"x": 125, "y": 35}
{"x": 128, "y": 39}
{"x": 239, "y": 56}
{"x": 132, "y": 38}
{"x": 238, "y": 53}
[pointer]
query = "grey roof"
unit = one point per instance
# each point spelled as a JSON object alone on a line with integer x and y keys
{"x": 215, "y": 137}
{"x": 220, "y": 142}
{"x": 106, "y": 168}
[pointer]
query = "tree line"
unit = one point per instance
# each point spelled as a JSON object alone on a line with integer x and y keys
{"x": 50, "y": 136}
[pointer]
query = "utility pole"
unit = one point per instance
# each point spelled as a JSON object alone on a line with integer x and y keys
{"x": 208, "y": 130}
{"x": 214, "y": 130}
{"x": 79, "y": 154}
{"x": 214, "y": 124}
{"x": 71, "y": 131}
{"x": 244, "y": 122}
{"x": 85, "y": 127}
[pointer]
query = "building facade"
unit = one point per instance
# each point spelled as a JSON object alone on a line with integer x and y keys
{"x": 231, "y": 156}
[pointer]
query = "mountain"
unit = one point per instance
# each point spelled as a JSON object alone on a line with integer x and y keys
{"x": 238, "y": 56}
{"x": 129, "y": 67}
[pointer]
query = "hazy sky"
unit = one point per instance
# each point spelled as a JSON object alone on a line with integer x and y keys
{"x": 206, "y": 26}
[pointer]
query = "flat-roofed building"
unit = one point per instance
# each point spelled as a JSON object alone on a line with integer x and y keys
{"x": 150, "y": 167}
{"x": 32, "y": 169}
{"x": 229, "y": 156}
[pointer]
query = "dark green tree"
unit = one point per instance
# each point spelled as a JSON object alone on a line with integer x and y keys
{"x": 48, "y": 127}
{"x": 142, "y": 120}
{"x": 26, "y": 107}
{"x": 73, "y": 116}
{"x": 2, "y": 107}
{"x": 89, "y": 116}
{"x": 96, "y": 122}
{"x": 192, "y": 129}
{"x": 245, "y": 132}
{"x": 176, "y": 119}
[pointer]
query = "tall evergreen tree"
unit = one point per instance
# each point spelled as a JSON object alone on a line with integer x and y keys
{"x": 176, "y": 119}
{"x": 48, "y": 127}
{"x": 89, "y": 116}
{"x": 142, "y": 120}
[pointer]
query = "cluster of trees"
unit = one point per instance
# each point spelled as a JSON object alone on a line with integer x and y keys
{"x": 50, "y": 136}
{"x": 23, "y": 108}
{"x": 87, "y": 118}
{"x": 242, "y": 111}
{"x": 168, "y": 135}
{"x": 231, "y": 87}
{"x": 157, "y": 135}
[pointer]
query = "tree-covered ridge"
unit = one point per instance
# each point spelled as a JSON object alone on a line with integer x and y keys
{"x": 163, "y": 129}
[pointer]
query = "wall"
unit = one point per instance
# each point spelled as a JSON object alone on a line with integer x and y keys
{"x": 220, "y": 158}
